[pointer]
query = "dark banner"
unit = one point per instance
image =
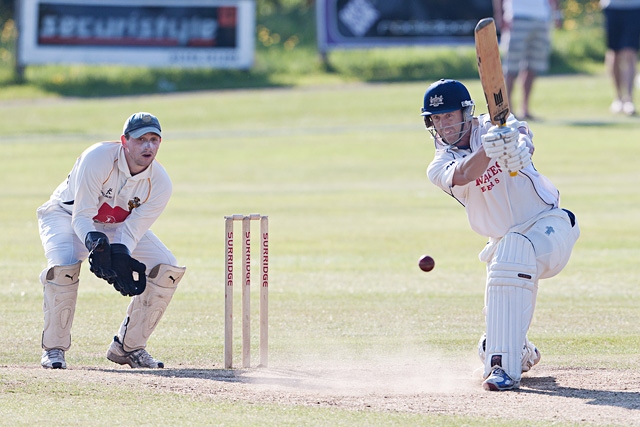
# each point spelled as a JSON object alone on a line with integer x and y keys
{"x": 361, "y": 23}
{"x": 67, "y": 24}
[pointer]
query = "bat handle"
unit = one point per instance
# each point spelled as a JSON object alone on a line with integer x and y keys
{"x": 513, "y": 173}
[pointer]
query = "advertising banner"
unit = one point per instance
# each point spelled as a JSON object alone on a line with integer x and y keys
{"x": 370, "y": 23}
{"x": 160, "y": 33}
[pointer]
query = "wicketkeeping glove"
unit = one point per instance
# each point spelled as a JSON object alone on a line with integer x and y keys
{"x": 517, "y": 160}
{"x": 100, "y": 255}
{"x": 500, "y": 141}
{"x": 125, "y": 266}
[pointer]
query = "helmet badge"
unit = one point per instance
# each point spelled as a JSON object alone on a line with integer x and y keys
{"x": 436, "y": 101}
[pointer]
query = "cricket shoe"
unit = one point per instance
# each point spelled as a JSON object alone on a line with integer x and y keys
{"x": 136, "y": 358}
{"x": 53, "y": 359}
{"x": 530, "y": 354}
{"x": 499, "y": 380}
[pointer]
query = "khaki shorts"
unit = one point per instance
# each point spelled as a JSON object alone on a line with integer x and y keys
{"x": 527, "y": 46}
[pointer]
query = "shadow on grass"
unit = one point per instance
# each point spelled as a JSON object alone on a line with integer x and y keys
{"x": 262, "y": 376}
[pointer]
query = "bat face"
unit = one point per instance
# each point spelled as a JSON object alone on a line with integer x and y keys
{"x": 490, "y": 70}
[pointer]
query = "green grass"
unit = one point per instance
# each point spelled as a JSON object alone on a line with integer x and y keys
{"x": 340, "y": 170}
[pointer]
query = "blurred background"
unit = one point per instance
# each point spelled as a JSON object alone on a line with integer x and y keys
{"x": 287, "y": 54}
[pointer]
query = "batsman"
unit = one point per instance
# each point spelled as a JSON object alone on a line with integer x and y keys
{"x": 102, "y": 212}
{"x": 488, "y": 169}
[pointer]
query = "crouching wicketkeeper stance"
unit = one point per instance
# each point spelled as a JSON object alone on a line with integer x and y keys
{"x": 530, "y": 237}
{"x": 103, "y": 211}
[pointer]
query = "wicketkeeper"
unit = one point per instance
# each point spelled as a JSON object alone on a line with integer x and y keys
{"x": 530, "y": 236}
{"x": 102, "y": 211}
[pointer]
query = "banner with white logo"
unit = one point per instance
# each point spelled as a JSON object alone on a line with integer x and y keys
{"x": 161, "y": 33}
{"x": 368, "y": 23}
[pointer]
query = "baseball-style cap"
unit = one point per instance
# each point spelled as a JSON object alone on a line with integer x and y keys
{"x": 140, "y": 123}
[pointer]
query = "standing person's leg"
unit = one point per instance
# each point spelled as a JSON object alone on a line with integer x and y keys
{"x": 612, "y": 65}
{"x": 627, "y": 59}
{"x": 538, "y": 50}
{"x": 622, "y": 32}
{"x": 528, "y": 77}
{"x": 512, "y": 46}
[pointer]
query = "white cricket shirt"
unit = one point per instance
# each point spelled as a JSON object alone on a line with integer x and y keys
{"x": 100, "y": 188}
{"x": 496, "y": 201}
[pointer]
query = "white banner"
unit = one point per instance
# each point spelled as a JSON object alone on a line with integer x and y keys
{"x": 155, "y": 33}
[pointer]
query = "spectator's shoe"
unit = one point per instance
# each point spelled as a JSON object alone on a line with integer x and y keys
{"x": 136, "y": 358}
{"x": 530, "y": 356}
{"x": 616, "y": 107}
{"x": 628, "y": 108}
{"x": 53, "y": 359}
{"x": 498, "y": 380}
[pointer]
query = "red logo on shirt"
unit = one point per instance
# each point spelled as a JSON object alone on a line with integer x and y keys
{"x": 489, "y": 179}
{"x": 109, "y": 215}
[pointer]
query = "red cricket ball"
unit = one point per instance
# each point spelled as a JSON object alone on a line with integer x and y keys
{"x": 426, "y": 263}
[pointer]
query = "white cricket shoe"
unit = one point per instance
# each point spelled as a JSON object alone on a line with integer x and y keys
{"x": 53, "y": 359}
{"x": 530, "y": 354}
{"x": 499, "y": 380}
{"x": 136, "y": 358}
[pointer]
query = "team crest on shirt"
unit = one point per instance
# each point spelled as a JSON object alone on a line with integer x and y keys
{"x": 134, "y": 203}
{"x": 436, "y": 101}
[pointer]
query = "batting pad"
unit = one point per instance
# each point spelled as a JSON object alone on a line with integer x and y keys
{"x": 60, "y": 294}
{"x": 146, "y": 310}
{"x": 510, "y": 301}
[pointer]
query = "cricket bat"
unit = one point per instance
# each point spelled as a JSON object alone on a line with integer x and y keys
{"x": 490, "y": 71}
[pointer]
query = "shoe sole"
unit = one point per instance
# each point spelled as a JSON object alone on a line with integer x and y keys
{"x": 493, "y": 387}
{"x": 126, "y": 361}
{"x": 55, "y": 365}
{"x": 119, "y": 360}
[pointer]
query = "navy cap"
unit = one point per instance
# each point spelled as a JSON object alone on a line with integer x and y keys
{"x": 140, "y": 123}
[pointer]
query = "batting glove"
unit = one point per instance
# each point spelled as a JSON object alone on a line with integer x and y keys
{"x": 500, "y": 141}
{"x": 518, "y": 159}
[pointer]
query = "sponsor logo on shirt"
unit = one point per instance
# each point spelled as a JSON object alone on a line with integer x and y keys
{"x": 490, "y": 178}
{"x": 110, "y": 215}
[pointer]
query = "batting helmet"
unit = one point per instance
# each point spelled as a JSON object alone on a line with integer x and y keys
{"x": 445, "y": 96}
